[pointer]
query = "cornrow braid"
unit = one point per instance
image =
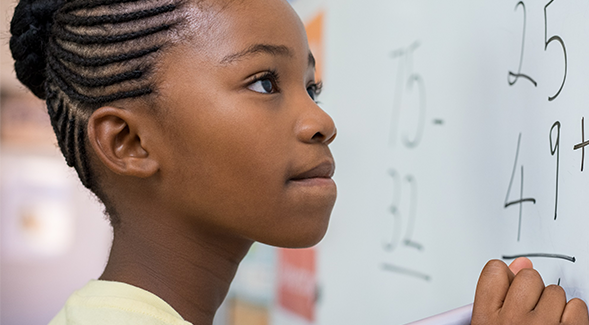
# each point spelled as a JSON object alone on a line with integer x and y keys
{"x": 68, "y": 74}
{"x": 67, "y": 56}
{"x": 77, "y": 5}
{"x": 81, "y": 54}
{"x": 73, "y": 20}
{"x": 72, "y": 93}
{"x": 67, "y": 36}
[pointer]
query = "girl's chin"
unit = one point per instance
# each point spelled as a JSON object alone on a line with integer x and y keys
{"x": 299, "y": 238}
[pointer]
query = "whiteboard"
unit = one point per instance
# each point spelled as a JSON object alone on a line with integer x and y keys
{"x": 460, "y": 139}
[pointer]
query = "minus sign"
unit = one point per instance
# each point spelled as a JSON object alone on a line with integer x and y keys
{"x": 558, "y": 256}
{"x": 438, "y": 121}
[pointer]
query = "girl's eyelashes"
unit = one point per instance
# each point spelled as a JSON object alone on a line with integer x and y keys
{"x": 265, "y": 83}
{"x": 314, "y": 90}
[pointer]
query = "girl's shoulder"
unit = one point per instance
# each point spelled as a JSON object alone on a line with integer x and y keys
{"x": 107, "y": 302}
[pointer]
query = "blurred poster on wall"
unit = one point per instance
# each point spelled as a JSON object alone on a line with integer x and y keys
{"x": 253, "y": 288}
{"x": 314, "y": 28}
{"x": 255, "y": 280}
{"x": 37, "y": 219}
{"x": 297, "y": 283}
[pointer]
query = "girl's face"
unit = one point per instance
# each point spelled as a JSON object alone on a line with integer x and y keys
{"x": 245, "y": 146}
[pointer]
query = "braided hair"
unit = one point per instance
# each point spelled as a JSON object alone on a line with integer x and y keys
{"x": 78, "y": 55}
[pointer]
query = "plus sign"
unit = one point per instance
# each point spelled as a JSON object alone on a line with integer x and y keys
{"x": 583, "y": 143}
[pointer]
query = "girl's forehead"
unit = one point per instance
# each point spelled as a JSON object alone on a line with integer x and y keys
{"x": 223, "y": 26}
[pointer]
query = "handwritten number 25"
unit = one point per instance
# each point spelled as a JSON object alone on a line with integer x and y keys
{"x": 511, "y": 76}
{"x": 547, "y": 42}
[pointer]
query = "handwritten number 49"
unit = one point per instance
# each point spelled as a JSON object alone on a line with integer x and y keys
{"x": 521, "y": 200}
{"x": 554, "y": 151}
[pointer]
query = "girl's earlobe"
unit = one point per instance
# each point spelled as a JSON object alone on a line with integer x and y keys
{"x": 116, "y": 141}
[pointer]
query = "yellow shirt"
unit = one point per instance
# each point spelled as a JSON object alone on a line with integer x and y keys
{"x": 116, "y": 303}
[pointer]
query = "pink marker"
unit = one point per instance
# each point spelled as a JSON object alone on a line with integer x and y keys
{"x": 458, "y": 316}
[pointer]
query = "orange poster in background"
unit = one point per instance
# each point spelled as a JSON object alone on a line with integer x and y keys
{"x": 314, "y": 29}
{"x": 297, "y": 281}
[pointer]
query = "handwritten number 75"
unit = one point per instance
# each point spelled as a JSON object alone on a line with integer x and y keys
{"x": 407, "y": 80}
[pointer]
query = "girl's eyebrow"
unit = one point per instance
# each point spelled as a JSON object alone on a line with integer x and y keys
{"x": 275, "y": 50}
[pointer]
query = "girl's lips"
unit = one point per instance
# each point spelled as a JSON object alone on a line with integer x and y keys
{"x": 325, "y": 169}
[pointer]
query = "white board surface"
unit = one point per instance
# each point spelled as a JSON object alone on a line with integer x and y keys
{"x": 433, "y": 133}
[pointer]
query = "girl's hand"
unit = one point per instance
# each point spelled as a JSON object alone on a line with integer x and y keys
{"x": 505, "y": 298}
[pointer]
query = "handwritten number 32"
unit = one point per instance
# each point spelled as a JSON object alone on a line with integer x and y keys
{"x": 407, "y": 239}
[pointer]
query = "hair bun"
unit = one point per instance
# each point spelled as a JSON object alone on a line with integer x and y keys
{"x": 30, "y": 28}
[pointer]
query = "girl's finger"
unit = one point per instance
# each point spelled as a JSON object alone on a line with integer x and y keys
{"x": 491, "y": 289}
{"x": 575, "y": 313}
{"x": 551, "y": 306}
{"x": 524, "y": 293}
{"x": 519, "y": 264}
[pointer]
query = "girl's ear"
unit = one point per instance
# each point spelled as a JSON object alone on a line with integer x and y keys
{"x": 116, "y": 140}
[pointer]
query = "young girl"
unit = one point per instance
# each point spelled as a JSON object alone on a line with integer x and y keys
{"x": 195, "y": 123}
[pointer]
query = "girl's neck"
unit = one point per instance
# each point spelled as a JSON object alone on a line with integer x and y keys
{"x": 191, "y": 269}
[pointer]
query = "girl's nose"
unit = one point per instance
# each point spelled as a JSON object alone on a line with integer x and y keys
{"x": 316, "y": 126}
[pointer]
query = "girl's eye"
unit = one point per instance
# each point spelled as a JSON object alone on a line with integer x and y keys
{"x": 265, "y": 84}
{"x": 314, "y": 90}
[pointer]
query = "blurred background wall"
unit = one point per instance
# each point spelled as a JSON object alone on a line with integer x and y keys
{"x": 53, "y": 236}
